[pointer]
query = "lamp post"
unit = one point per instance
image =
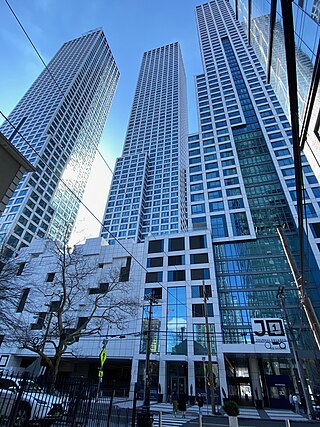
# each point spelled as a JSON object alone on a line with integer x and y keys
{"x": 145, "y": 419}
{"x": 299, "y": 366}
{"x": 208, "y": 335}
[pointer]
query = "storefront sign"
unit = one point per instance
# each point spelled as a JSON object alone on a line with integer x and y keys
{"x": 270, "y": 336}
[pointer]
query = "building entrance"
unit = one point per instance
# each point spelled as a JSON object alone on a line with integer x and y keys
{"x": 178, "y": 384}
{"x": 177, "y": 377}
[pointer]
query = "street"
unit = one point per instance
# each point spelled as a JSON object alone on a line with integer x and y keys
{"x": 218, "y": 421}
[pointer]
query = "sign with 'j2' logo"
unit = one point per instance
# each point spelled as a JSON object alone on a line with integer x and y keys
{"x": 269, "y": 336}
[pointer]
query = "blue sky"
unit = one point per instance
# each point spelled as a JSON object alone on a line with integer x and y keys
{"x": 131, "y": 27}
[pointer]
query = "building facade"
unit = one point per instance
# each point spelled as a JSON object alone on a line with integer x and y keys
{"x": 240, "y": 187}
{"x": 147, "y": 194}
{"x": 60, "y": 122}
{"x": 307, "y": 57}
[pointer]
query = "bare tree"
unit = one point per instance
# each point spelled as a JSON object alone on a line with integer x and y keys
{"x": 75, "y": 304}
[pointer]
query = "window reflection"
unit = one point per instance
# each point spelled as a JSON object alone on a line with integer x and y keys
{"x": 177, "y": 321}
{"x": 154, "y": 329}
{"x": 200, "y": 339}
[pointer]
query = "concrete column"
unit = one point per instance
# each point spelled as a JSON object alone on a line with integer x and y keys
{"x": 222, "y": 374}
{"x": 162, "y": 378}
{"x": 134, "y": 377}
{"x": 255, "y": 377}
{"x": 191, "y": 378}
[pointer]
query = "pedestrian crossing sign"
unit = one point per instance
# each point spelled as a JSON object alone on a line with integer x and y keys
{"x": 103, "y": 356}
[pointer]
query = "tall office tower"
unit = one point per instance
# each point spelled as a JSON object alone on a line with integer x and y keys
{"x": 307, "y": 59}
{"x": 242, "y": 186}
{"x": 60, "y": 121}
{"x": 147, "y": 194}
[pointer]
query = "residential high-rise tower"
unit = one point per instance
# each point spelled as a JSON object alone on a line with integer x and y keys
{"x": 215, "y": 276}
{"x": 147, "y": 194}
{"x": 60, "y": 121}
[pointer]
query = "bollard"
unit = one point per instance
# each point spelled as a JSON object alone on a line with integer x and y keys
{"x": 288, "y": 424}
{"x": 200, "y": 420}
{"x": 160, "y": 419}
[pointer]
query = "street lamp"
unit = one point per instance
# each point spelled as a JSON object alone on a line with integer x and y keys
{"x": 145, "y": 419}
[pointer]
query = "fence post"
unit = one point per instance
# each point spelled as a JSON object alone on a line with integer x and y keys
{"x": 160, "y": 419}
{"x": 15, "y": 407}
{"x": 77, "y": 402}
{"x": 200, "y": 420}
{"x": 288, "y": 424}
{"x": 134, "y": 406}
{"x": 111, "y": 402}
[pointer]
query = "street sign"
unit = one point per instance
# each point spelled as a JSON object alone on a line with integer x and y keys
{"x": 270, "y": 336}
{"x": 103, "y": 356}
{"x": 100, "y": 374}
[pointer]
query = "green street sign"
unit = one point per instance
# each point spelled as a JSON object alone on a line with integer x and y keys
{"x": 103, "y": 356}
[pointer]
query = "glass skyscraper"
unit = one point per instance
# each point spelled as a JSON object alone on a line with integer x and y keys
{"x": 60, "y": 120}
{"x": 307, "y": 50}
{"x": 202, "y": 211}
{"x": 147, "y": 194}
{"x": 240, "y": 186}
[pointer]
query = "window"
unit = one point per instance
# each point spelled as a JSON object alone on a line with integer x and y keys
{"x": 176, "y": 260}
{"x": 50, "y": 277}
{"x": 219, "y": 226}
{"x": 199, "y": 258}
{"x": 200, "y": 274}
{"x": 198, "y": 209}
{"x": 82, "y": 322}
{"x": 198, "y": 310}
{"x": 176, "y": 275}
{"x": 40, "y": 321}
{"x": 155, "y": 246}
{"x": 155, "y": 262}
{"x": 216, "y": 206}
{"x": 156, "y": 293}
{"x": 21, "y": 268}
{"x": 235, "y": 204}
{"x": 155, "y": 276}
{"x": 103, "y": 288}
{"x": 239, "y": 223}
{"x": 176, "y": 244}
{"x": 197, "y": 197}
{"x": 23, "y": 300}
{"x": 200, "y": 339}
{"x": 197, "y": 242}
{"x": 125, "y": 271}
{"x": 197, "y": 291}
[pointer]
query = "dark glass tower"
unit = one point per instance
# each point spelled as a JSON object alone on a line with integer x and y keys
{"x": 242, "y": 186}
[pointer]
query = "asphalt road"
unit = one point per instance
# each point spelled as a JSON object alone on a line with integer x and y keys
{"x": 223, "y": 421}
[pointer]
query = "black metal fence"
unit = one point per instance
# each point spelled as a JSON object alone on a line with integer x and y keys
{"x": 27, "y": 401}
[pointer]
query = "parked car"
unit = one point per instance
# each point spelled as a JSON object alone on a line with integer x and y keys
{"x": 36, "y": 404}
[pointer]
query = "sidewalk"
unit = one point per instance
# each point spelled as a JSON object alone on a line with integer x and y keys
{"x": 245, "y": 412}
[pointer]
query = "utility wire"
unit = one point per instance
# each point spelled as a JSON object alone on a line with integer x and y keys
{"x": 90, "y": 211}
{"x": 56, "y": 83}
{"x": 104, "y": 160}
{"x": 53, "y": 78}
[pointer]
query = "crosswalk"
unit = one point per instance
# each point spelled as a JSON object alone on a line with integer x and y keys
{"x": 249, "y": 413}
{"x": 169, "y": 420}
{"x": 275, "y": 414}
{"x": 192, "y": 413}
